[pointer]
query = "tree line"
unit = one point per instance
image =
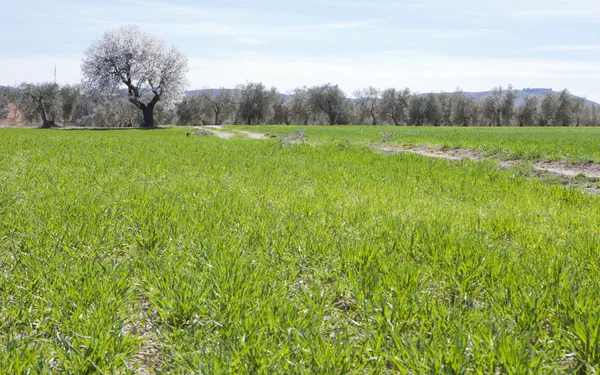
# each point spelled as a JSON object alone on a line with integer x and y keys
{"x": 254, "y": 104}
{"x": 133, "y": 79}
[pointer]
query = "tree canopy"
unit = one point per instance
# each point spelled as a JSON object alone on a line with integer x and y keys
{"x": 129, "y": 59}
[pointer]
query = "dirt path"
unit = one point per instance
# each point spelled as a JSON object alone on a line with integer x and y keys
{"x": 253, "y": 135}
{"x": 448, "y": 154}
{"x": 558, "y": 168}
{"x": 214, "y": 129}
{"x": 589, "y": 170}
{"x": 223, "y": 135}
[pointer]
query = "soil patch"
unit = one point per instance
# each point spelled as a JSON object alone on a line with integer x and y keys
{"x": 454, "y": 154}
{"x": 214, "y": 129}
{"x": 589, "y": 170}
{"x": 147, "y": 359}
{"x": 253, "y": 135}
{"x": 14, "y": 117}
{"x": 222, "y": 135}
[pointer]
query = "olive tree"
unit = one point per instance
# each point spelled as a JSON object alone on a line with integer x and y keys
{"x": 394, "y": 105}
{"x": 564, "y": 109}
{"x": 579, "y": 110}
{"x": 255, "y": 103}
{"x": 6, "y": 97}
{"x": 559, "y": 109}
{"x": 40, "y": 101}
{"x": 417, "y": 110}
{"x": 117, "y": 113}
{"x": 445, "y": 103}
{"x": 463, "y": 107}
{"x": 594, "y": 114}
{"x": 282, "y": 114}
{"x": 547, "y": 110}
{"x": 69, "y": 97}
{"x": 86, "y": 105}
{"x": 130, "y": 59}
{"x": 492, "y": 106}
{"x": 190, "y": 110}
{"x": 498, "y": 105}
{"x": 527, "y": 113}
{"x": 590, "y": 117}
{"x": 508, "y": 104}
{"x": 369, "y": 100}
{"x": 220, "y": 103}
{"x": 433, "y": 110}
{"x": 299, "y": 106}
{"x": 330, "y": 100}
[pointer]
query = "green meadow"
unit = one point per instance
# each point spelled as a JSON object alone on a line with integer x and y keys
{"x": 136, "y": 252}
{"x": 570, "y": 144}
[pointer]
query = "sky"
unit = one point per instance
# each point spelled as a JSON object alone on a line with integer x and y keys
{"x": 428, "y": 45}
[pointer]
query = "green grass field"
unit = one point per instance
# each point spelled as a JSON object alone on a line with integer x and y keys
{"x": 570, "y": 144}
{"x": 153, "y": 252}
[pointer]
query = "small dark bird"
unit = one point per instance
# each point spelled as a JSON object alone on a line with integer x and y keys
{"x": 188, "y": 134}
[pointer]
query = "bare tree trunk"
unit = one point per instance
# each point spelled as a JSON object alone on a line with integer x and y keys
{"x": 147, "y": 109}
{"x": 148, "y": 116}
{"x": 47, "y": 124}
{"x": 331, "y": 119}
{"x": 42, "y": 114}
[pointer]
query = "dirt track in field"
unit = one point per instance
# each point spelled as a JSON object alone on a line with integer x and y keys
{"x": 559, "y": 168}
{"x": 215, "y": 130}
{"x": 253, "y": 135}
{"x": 589, "y": 170}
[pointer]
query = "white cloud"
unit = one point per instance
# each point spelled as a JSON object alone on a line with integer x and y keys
{"x": 570, "y": 47}
{"x": 532, "y": 10}
{"x": 173, "y": 21}
{"x": 565, "y": 14}
{"x": 428, "y": 33}
{"x": 353, "y": 25}
{"x": 252, "y": 32}
{"x": 250, "y": 41}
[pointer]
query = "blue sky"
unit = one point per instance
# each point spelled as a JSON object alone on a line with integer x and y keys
{"x": 425, "y": 45}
